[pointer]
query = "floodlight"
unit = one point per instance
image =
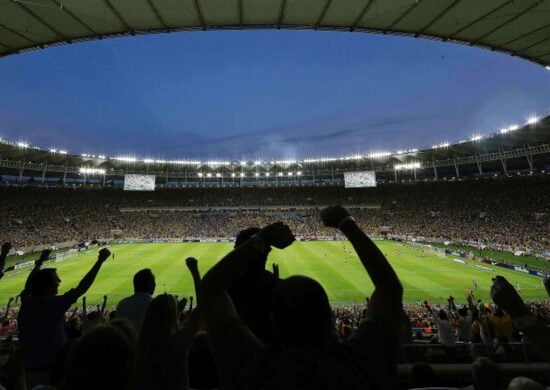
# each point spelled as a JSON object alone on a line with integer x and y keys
{"x": 299, "y": 173}
{"x": 232, "y": 175}
{"x": 23, "y": 144}
{"x": 547, "y": 67}
{"x": 199, "y": 174}
{"x": 242, "y": 174}
{"x": 53, "y": 150}
{"x": 533, "y": 120}
{"x": 476, "y": 138}
{"x": 280, "y": 174}
{"x": 289, "y": 173}
{"x": 399, "y": 167}
{"x": 101, "y": 156}
{"x": 208, "y": 175}
{"x": 267, "y": 174}
{"x": 256, "y": 174}
{"x": 218, "y": 175}
{"x": 92, "y": 171}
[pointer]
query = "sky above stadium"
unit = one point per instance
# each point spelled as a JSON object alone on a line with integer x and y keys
{"x": 262, "y": 94}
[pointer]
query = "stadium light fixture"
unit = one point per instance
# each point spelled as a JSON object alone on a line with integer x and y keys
{"x": 208, "y": 175}
{"x": 256, "y": 174}
{"x": 63, "y": 152}
{"x": 232, "y": 175}
{"x": 476, "y": 138}
{"x": 53, "y": 150}
{"x": 299, "y": 173}
{"x": 533, "y": 120}
{"x": 547, "y": 67}
{"x": 199, "y": 174}
{"x": 289, "y": 173}
{"x": 218, "y": 175}
{"x": 280, "y": 174}
{"x": 23, "y": 145}
{"x": 267, "y": 174}
{"x": 92, "y": 171}
{"x": 101, "y": 156}
{"x": 242, "y": 174}
{"x": 400, "y": 167}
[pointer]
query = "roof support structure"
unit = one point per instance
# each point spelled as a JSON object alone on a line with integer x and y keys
{"x": 21, "y": 170}
{"x": 526, "y": 34}
{"x": 241, "y": 12}
{"x": 535, "y": 44}
{"x": 119, "y": 16}
{"x": 503, "y": 160}
{"x": 6, "y": 45}
{"x": 435, "y": 170}
{"x": 489, "y": 13}
{"x": 199, "y": 14}
{"x": 156, "y": 11}
{"x": 282, "y": 10}
{"x": 42, "y": 21}
{"x": 64, "y": 8}
{"x": 3, "y": 26}
{"x": 323, "y": 13}
{"x": 44, "y": 169}
{"x": 439, "y": 16}
{"x": 478, "y": 163}
{"x": 364, "y": 11}
{"x": 456, "y": 167}
{"x": 508, "y": 21}
{"x": 529, "y": 157}
{"x": 403, "y": 15}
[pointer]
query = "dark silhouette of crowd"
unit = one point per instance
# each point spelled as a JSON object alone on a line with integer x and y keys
{"x": 250, "y": 329}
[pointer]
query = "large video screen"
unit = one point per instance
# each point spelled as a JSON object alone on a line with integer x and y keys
{"x": 359, "y": 179}
{"x": 139, "y": 182}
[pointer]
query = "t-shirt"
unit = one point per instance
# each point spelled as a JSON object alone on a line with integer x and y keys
{"x": 366, "y": 360}
{"x": 133, "y": 308}
{"x": 41, "y": 323}
{"x": 445, "y": 330}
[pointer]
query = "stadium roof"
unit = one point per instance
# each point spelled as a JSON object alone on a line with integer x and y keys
{"x": 517, "y": 27}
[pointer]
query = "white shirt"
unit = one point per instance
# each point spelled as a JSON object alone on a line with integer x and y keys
{"x": 133, "y": 308}
{"x": 445, "y": 330}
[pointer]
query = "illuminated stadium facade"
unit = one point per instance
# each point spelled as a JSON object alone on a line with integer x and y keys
{"x": 512, "y": 150}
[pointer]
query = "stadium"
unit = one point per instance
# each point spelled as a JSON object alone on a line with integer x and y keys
{"x": 457, "y": 232}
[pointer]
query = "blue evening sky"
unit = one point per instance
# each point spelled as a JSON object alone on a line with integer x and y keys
{"x": 262, "y": 94}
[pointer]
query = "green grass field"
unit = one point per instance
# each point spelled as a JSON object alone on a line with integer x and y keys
{"x": 343, "y": 277}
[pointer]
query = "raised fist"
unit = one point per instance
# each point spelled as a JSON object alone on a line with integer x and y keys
{"x": 192, "y": 263}
{"x": 278, "y": 235}
{"x": 332, "y": 216}
{"x": 103, "y": 254}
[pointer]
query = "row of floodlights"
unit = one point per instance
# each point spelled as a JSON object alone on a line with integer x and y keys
{"x": 533, "y": 120}
{"x": 257, "y": 174}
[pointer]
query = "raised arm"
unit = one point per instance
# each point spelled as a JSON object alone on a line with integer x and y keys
{"x": 37, "y": 265}
{"x": 3, "y": 254}
{"x": 215, "y": 305}
{"x": 507, "y": 298}
{"x": 89, "y": 278}
{"x": 193, "y": 266}
{"x": 386, "y": 300}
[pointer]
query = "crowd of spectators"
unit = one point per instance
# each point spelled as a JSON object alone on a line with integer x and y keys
{"x": 251, "y": 329}
{"x": 512, "y": 213}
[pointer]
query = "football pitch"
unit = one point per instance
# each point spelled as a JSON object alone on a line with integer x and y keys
{"x": 427, "y": 276}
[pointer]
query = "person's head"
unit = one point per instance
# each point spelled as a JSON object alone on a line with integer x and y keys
{"x": 301, "y": 313}
{"x": 522, "y": 383}
{"x": 103, "y": 358}
{"x": 144, "y": 281}
{"x": 45, "y": 282}
{"x": 442, "y": 314}
{"x": 463, "y": 311}
{"x": 486, "y": 374}
{"x": 160, "y": 318}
